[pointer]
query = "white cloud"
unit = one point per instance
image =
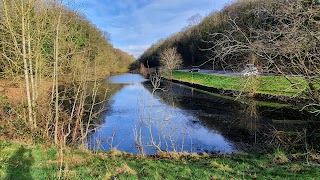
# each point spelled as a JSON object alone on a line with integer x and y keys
{"x": 135, "y": 24}
{"x": 135, "y": 50}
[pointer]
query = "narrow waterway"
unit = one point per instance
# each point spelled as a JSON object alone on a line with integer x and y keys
{"x": 178, "y": 118}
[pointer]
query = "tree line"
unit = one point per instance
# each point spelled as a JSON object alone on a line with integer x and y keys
{"x": 59, "y": 56}
{"x": 198, "y": 44}
{"x": 278, "y": 36}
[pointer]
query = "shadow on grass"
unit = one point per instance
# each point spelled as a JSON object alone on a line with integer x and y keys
{"x": 19, "y": 164}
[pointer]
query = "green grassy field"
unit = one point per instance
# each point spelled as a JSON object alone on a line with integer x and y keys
{"x": 273, "y": 85}
{"x": 21, "y": 161}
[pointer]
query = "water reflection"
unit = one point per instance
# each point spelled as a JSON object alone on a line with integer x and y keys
{"x": 178, "y": 118}
{"x": 244, "y": 121}
{"x": 139, "y": 122}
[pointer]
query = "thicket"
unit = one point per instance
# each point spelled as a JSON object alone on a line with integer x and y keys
{"x": 52, "y": 57}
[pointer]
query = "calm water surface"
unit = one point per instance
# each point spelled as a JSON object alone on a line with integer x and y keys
{"x": 138, "y": 119}
{"x": 178, "y": 118}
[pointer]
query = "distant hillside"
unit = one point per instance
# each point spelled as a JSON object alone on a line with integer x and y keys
{"x": 46, "y": 29}
{"x": 241, "y": 33}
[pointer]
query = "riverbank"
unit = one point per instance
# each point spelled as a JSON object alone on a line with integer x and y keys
{"x": 40, "y": 161}
{"x": 266, "y": 88}
{"x": 37, "y": 158}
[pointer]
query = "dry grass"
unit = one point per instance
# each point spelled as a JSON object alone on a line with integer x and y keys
{"x": 195, "y": 156}
{"x": 295, "y": 168}
{"x": 125, "y": 169}
{"x": 13, "y": 112}
{"x": 178, "y": 155}
{"x": 77, "y": 160}
{"x": 280, "y": 158}
{"x": 114, "y": 153}
{"x": 221, "y": 167}
{"x": 13, "y": 90}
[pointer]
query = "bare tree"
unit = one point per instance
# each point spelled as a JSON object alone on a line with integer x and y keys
{"x": 286, "y": 41}
{"x": 170, "y": 60}
{"x": 42, "y": 43}
{"x": 20, "y": 44}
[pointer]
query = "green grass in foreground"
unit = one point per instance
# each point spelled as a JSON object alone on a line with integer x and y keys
{"x": 19, "y": 161}
{"x": 274, "y": 85}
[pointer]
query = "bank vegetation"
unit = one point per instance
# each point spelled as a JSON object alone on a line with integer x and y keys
{"x": 51, "y": 60}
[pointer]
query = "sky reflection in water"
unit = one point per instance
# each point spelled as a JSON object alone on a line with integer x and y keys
{"x": 136, "y": 114}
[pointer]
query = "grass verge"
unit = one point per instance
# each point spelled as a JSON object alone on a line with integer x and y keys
{"x": 273, "y": 85}
{"x": 21, "y": 161}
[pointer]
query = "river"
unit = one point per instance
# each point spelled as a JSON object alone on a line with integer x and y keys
{"x": 181, "y": 119}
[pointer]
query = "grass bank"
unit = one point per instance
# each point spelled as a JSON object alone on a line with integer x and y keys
{"x": 22, "y": 161}
{"x": 272, "y": 85}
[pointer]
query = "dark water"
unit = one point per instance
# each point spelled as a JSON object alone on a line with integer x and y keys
{"x": 178, "y": 118}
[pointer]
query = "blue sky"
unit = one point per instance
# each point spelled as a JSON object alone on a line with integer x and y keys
{"x": 134, "y": 25}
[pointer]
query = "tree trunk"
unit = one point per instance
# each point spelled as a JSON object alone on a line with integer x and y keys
{"x": 25, "y": 63}
{"x": 56, "y": 73}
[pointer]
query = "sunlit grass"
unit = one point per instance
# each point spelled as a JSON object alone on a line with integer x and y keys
{"x": 274, "y": 85}
{"x": 19, "y": 161}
